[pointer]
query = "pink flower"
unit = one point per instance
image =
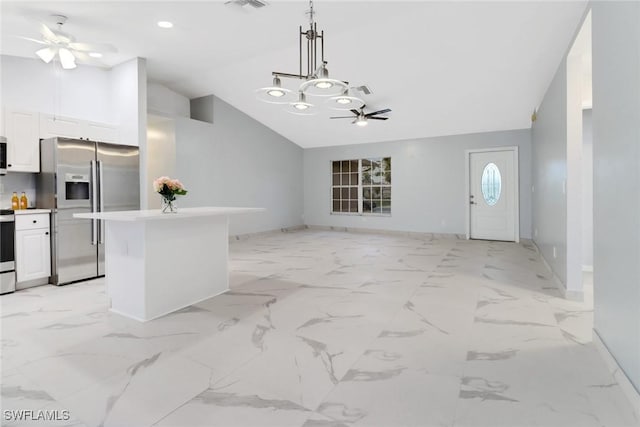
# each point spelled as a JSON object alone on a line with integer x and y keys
{"x": 167, "y": 186}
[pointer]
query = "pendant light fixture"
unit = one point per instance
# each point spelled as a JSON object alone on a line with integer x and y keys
{"x": 275, "y": 94}
{"x": 313, "y": 70}
{"x": 345, "y": 102}
{"x": 301, "y": 107}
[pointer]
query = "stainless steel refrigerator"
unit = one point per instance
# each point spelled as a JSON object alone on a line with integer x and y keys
{"x": 80, "y": 176}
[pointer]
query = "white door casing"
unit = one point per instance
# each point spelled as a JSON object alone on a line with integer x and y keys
{"x": 492, "y": 196}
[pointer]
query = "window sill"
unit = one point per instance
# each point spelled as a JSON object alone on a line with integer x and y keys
{"x": 360, "y": 214}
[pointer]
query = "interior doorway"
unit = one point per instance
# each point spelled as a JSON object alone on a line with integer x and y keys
{"x": 492, "y": 189}
{"x": 579, "y": 187}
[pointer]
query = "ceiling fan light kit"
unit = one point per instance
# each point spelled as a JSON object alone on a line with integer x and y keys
{"x": 46, "y": 54}
{"x": 361, "y": 121}
{"x": 67, "y": 59}
{"x": 316, "y": 79}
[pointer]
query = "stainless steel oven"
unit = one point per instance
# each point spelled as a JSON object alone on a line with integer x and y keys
{"x": 7, "y": 252}
{"x": 3, "y": 155}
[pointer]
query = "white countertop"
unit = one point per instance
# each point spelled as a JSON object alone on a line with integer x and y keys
{"x": 156, "y": 214}
{"x": 31, "y": 211}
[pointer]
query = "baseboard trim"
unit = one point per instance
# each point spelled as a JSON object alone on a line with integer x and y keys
{"x": 627, "y": 387}
{"x": 566, "y": 294}
{"x": 247, "y": 236}
{"x": 418, "y": 234}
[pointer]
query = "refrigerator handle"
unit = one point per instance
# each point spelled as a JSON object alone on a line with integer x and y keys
{"x": 94, "y": 189}
{"x": 101, "y": 200}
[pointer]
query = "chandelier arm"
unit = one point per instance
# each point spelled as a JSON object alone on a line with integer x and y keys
{"x": 300, "y": 38}
{"x": 309, "y": 57}
{"x": 315, "y": 45}
{"x": 288, "y": 75}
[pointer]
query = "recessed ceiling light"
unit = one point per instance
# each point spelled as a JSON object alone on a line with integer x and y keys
{"x": 95, "y": 54}
{"x": 165, "y": 24}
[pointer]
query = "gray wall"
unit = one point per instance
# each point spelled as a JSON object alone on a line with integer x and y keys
{"x": 238, "y": 162}
{"x": 616, "y": 192}
{"x": 428, "y": 188}
{"x": 587, "y": 189}
{"x": 549, "y": 161}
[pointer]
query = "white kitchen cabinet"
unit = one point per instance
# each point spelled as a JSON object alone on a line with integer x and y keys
{"x": 52, "y": 126}
{"x": 33, "y": 247}
{"x": 99, "y": 132}
{"x": 23, "y": 143}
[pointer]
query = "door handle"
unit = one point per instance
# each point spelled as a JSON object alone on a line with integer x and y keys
{"x": 101, "y": 203}
{"x": 94, "y": 188}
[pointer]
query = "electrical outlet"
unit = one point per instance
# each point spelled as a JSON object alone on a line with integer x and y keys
{"x": 533, "y": 188}
{"x": 535, "y": 233}
{"x": 555, "y": 252}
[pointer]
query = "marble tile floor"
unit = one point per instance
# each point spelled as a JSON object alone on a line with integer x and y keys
{"x": 322, "y": 328}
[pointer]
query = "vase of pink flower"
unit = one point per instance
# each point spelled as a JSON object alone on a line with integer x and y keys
{"x": 168, "y": 189}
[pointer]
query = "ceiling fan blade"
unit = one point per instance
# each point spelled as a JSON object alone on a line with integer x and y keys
{"x": 86, "y": 59}
{"x": 93, "y": 47}
{"x": 343, "y": 117}
{"x": 356, "y": 112}
{"x": 33, "y": 40}
{"x": 48, "y": 34}
{"x": 378, "y": 118}
{"x": 387, "y": 110}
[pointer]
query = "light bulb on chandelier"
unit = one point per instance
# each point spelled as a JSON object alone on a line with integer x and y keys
{"x": 345, "y": 102}
{"x": 301, "y": 106}
{"x": 275, "y": 94}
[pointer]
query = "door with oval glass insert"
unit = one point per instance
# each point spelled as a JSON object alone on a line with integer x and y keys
{"x": 493, "y": 208}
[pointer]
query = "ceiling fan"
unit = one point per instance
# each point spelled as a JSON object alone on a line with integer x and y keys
{"x": 362, "y": 119}
{"x": 64, "y": 45}
{"x": 254, "y": 3}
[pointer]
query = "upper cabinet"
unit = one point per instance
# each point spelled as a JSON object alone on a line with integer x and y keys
{"x": 24, "y": 129}
{"x": 100, "y": 132}
{"x": 23, "y": 143}
{"x": 52, "y": 126}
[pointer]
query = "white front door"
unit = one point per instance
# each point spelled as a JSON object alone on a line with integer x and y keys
{"x": 493, "y": 193}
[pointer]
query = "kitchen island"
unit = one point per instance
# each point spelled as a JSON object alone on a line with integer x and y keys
{"x": 157, "y": 263}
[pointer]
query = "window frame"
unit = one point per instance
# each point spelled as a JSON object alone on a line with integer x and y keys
{"x": 360, "y": 190}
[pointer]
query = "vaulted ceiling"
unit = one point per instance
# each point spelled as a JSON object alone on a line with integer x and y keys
{"x": 442, "y": 67}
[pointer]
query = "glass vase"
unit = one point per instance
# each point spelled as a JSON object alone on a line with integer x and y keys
{"x": 168, "y": 205}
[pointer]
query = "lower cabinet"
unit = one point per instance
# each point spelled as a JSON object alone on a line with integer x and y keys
{"x": 33, "y": 247}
